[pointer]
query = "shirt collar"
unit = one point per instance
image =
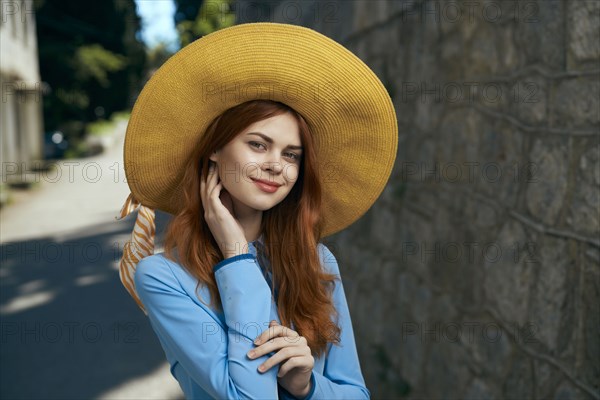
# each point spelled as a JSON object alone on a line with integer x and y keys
{"x": 258, "y": 242}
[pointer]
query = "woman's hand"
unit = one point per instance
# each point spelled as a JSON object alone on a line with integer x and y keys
{"x": 226, "y": 229}
{"x": 294, "y": 354}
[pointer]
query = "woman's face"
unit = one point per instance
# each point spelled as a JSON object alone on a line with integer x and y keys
{"x": 269, "y": 150}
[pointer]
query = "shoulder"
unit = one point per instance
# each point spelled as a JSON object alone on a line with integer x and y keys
{"x": 155, "y": 270}
{"x": 151, "y": 264}
{"x": 328, "y": 260}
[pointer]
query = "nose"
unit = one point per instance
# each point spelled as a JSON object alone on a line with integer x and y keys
{"x": 273, "y": 164}
{"x": 274, "y": 167}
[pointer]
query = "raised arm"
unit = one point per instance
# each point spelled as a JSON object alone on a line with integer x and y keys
{"x": 213, "y": 356}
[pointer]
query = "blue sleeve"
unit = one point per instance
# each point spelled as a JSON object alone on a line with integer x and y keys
{"x": 216, "y": 360}
{"x": 342, "y": 376}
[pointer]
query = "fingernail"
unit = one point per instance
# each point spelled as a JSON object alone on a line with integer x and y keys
{"x": 261, "y": 368}
{"x": 256, "y": 341}
{"x": 251, "y": 354}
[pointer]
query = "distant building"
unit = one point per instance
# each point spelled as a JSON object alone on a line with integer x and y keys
{"x": 21, "y": 118}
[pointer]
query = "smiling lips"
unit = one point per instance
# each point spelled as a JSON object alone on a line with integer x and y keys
{"x": 266, "y": 186}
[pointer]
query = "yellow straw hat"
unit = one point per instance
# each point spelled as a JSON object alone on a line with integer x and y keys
{"x": 344, "y": 103}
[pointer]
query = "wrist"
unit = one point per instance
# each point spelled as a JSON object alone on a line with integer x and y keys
{"x": 304, "y": 392}
{"x": 238, "y": 249}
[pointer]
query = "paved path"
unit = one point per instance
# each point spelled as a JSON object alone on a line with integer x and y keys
{"x": 69, "y": 330}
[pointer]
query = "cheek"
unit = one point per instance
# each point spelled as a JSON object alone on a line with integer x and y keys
{"x": 291, "y": 173}
{"x": 248, "y": 168}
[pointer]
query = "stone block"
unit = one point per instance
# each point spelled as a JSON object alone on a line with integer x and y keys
{"x": 508, "y": 54}
{"x": 566, "y": 391}
{"x": 529, "y": 100}
{"x": 489, "y": 347}
{"x": 583, "y": 21}
{"x": 498, "y": 170}
{"x": 459, "y": 137}
{"x": 545, "y": 377}
{"x": 478, "y": 390}
{"x": 546, "y": 190}
{"x": 583, "y": 215}
{"x": 482, "y": 56}
{"x": 412, "y": 352}
{"x": 575, "y": 103}
{"x": 482, "y": 218}
{"x": 416, "y": 234}
{"x": 590, "y": 310}
{"x": 540, "y": 34}
{"x": 443, "y": 309}
{"x": 509, "y": 273}
{"x": 368, "y": 14}
{"x": 333, "y": 19}
{"x": 549, "y": 294}
{"x": 447, "y": 365}
{"x": 519, "y": 382}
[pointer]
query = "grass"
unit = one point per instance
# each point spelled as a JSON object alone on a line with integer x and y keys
{"x": 80, "y": 148}
{"x": 105, "y": 127}
{"x": 100, "y": 127}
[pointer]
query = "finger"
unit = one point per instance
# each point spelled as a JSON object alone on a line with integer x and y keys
{"x": 211, "y": 179}
{"x": 267, "y": 334}
{"x": 215, "y": 186}
{"x": 215, "y": 198}
{"x": 295, "y": 362}
{"x": 280, "y": 356}
{"x": 205, "y": 184}
{"x": 277, "y": 344}
{"x": 202, "y": 189}
{"x": 213, "y": 171}
{"x": 274, "y": 331}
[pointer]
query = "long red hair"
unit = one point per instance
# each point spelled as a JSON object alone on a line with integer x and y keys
{"x": 291, "y": 230}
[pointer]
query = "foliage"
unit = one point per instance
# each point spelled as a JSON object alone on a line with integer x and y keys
{"x": 121, "y": 116}
{"x": 92, "y": 59}
{"x": 100, "y": 127}
{"x": 212, "y": 16}
{"x": 157, "y": 57}
{"x": 104, "y": 127}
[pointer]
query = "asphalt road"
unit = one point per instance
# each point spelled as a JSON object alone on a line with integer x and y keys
{"x": 69, "y": 329}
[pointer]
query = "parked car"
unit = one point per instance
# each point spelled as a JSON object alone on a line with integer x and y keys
{"x": 55, "y": 145}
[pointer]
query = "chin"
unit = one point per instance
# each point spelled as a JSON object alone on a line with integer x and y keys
{"x": 258, "y": 203}
{"x": 262, "y": 205}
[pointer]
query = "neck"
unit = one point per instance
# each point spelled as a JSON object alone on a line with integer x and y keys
{"x": 249, "y": 219}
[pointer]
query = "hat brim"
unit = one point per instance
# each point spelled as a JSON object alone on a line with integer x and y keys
{"x": 344, "y": 103}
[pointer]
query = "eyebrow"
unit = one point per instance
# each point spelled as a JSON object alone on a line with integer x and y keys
{"x": 269, "y": 140}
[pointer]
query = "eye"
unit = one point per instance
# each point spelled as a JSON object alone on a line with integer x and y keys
{"x": 293, "y": 156}
{"x": 257, "y": 145}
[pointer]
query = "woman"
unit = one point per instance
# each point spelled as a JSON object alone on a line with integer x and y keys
{"x": 250, "y": 186}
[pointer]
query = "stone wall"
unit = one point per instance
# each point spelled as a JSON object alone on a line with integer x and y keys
{"x": 477, "y": 272}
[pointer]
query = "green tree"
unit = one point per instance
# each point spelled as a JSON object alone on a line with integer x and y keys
{"x": 157, "y": 57}
{"x": 95, "y": 62}
{"x": 92, "y": 58}
{"x": 212, "y": 16}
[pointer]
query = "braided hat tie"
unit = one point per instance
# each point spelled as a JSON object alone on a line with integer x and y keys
{"x": 140, "y": 246}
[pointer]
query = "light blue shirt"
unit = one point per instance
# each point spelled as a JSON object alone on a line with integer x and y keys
{"x": 207, "y": 348}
